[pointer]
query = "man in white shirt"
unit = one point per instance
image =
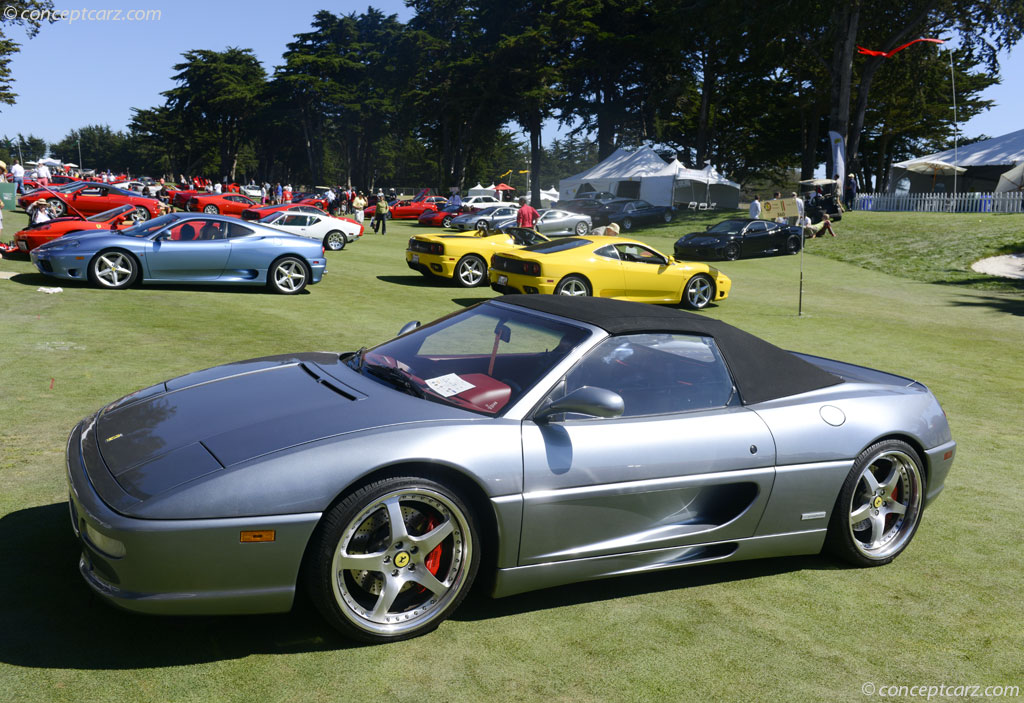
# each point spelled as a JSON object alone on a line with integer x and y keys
{"x": 755, "y": 208}
{"x": 217, "y": 188}
{"x": 18, "y": 172}
{"x": 43, "y": 174}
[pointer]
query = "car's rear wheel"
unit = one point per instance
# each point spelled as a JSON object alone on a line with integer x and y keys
{"x": 581, "y": 229}
{"x": 732, "y": 252}
{"x": 699, "y": 292}
{"x": 211, "y": 210}
{"x": 393, "y": 559}
{"x": 288, "y": 275}
{"x": 573, "y": 285}
{"x": 667, "y": 216}
{"x": 113, "y": 269}
{"x": 470, "y": 271}
{"x": 446, "y": 222}
{"x": 140, "y": 214}
{"x": 482, "y": 225}
{"x": 627, "y": 224}
{"x": 335, "y": 241}
{"x": 57, "y": 207}
{"x": 793, "y": 244}
{"x": 879, "y": 506}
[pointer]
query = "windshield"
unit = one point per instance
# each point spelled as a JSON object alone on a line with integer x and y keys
{"x": 727, "y": 227}
{"x": 274, "y": 216}
{"x": 145, "y": 229}
{"x": 482, "y": 359}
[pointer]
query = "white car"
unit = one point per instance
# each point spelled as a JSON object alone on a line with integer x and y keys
{"x": 334, "y": 232}
{"x": 482, "y": 201}
{"x": 252, "y": 191}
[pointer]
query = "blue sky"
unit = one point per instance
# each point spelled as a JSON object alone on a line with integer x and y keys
{"x": 64, "y": 78}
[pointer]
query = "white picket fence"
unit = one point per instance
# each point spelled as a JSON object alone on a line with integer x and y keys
{"x": 941, "y": 202}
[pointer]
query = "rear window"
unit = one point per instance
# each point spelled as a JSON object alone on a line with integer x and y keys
{"x": 557, "y": 245}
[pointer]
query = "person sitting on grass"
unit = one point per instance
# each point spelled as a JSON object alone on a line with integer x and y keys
{"x": 815, "y": 230}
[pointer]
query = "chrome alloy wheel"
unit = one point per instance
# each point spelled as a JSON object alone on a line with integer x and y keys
{"x": 470, "y": 271}
{"x": 573, "y": 285}
{"x": 113, "y": 269}
{"x": 699, "y": 292}
{"x": 290, "y": 276}
{"x": 886, "y": 504}
{"x": 401, "y": 561}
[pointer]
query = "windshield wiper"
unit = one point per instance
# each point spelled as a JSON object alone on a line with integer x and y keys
{"x": 396, "y": 377}
{"x": 358, "y": 357}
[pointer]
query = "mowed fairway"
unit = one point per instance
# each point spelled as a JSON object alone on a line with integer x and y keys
{"x": 948, "y": 611}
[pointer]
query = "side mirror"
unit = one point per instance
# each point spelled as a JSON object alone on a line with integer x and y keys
{"x": 588, "y": 400}
{"x": 408, "y": 327}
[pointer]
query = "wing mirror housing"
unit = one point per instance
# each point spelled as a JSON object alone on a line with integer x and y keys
{"x": 588, "y": 400}
{"x": 408, "y": 327}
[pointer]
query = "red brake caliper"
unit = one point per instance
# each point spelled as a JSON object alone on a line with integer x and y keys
{"x": 433, "y": 560}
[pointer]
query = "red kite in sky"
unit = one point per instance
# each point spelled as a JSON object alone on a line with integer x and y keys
{"x": 887, "y": 54}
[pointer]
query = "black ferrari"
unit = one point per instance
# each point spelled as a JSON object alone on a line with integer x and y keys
{"x": 739, "y": 238}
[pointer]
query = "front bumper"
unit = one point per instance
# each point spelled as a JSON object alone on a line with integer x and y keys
{"x": 181, "y": 567}
{"x": 62, "y": 263}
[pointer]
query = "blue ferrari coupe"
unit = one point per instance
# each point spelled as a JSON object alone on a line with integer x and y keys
{"x": 186, "y": 248}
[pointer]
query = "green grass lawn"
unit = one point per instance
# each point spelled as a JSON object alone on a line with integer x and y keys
{"x": 948, "y": 611}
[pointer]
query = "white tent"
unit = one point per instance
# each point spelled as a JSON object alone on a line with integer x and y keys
{"x": 984, "y": 161}
{"x": 645, "y": 175}
{"x": 480, "y": 190}
{"x": 548, "y": 197}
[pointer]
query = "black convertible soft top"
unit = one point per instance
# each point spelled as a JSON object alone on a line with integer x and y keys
{"x": 761, "y": 370}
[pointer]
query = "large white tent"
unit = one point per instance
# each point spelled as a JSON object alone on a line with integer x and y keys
{"x": 984, "y": 162}
{"x": 645, "y": 175}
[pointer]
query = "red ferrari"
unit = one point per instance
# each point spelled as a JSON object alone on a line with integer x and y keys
{"x": 32, "y": 236}
{"x": 219, "y": 203}
{"x": 440, "y": 218}
{"x": 258, "y": 213}
{"x": 86, "y": 198}
{"x": 410, "y": 209}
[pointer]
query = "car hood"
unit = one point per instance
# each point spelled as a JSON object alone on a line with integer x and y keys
{"x": 174, "y": 432}
{"x": 703, "y": 239}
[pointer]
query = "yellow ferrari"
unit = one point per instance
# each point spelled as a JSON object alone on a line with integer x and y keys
{"x": 464, "y": 257}
{"x": 608, "y": 267}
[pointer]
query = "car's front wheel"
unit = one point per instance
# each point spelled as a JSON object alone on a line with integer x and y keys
{"x": 393, "y": 559}
{"x": 627, "y": 224}
{"x": 56, "y": 207}
{"x": 732, "y": 252}
{"x": 699, "y": 292}
{"x": 288, "y": 276}
{"x": 335, "y": 241}
{"x": 113, "y": 269}
{"x": 879, "y": 506}
{"x": 793, "y": 244}
{"x": 446, "y": 222}
{"x": 470, "y": 271}
{"x": 667, "y": 217}
{"x": 140, "y": 214}
{"x": 211, "y": 210}
{"x": 482, "y": 225}
{"x": 573, "y": 285}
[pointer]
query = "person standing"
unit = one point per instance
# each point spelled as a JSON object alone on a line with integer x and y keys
{"x": 755, "y": 208}
{"x": 527, "y": 215}
{"x": 380, "y": 216}
{"x": 850, "y": 193}
{"x": 43, "y": 174}
{"x": 456, "y": 200}
{"x": 18, "y": 172}
{"x": 358, "y": 205}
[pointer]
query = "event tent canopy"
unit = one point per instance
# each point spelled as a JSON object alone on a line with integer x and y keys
{"x": 984, "y": 161}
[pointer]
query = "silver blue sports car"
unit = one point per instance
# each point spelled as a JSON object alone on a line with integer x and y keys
{"x": 186, "y": 248}
{"x": 547, "y": 439}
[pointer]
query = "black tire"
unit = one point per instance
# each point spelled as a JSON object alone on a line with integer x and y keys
{"x": 581, "y": 229}
{"x": 732, "y": 251}
{"x": 289, "y": 275}
{"x": 699, "y": 292}
{"x": 879, "y": 506}
{"x": 793, "y": 244}
{"x": 113, "y": 269}
{"x": 470, "y": 272}
{"x": 376, "y": 582}
{"x": 446, "y": 222}
{"x": 627, "y": 224}
{"x": 667, "y": 217}
{"x": 211, "y": 210}
{"x": 140, "y": 214}
{"x": 574, "y": 284}
{"x": 482, "y": 225}
{"x": 335, "y": 241}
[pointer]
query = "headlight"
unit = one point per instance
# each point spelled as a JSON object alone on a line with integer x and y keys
{"x": 60, "y": 243}
{"x": 107, "y": 545}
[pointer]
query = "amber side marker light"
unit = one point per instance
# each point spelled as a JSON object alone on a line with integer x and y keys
{"x": 948, "y": 455}
{"x": 258, "y": 535}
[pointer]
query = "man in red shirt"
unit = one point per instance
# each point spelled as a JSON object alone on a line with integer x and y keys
{"x": 527, "y": 216}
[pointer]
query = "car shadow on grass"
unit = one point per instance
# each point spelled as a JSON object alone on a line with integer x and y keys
{"x": 416, "y": 281}
{"x": 38, "y": 279}
{"x": 479, "y": 606}
{"x": 49, "y": 618}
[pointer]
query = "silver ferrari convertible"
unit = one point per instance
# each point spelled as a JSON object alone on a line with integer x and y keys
{"x": 552, "y": 439}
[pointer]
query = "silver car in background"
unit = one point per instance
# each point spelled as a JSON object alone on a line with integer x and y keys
{"x": 555, "y": 223}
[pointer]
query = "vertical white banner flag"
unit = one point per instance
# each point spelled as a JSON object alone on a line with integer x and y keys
{"x": 839, "y": 159}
